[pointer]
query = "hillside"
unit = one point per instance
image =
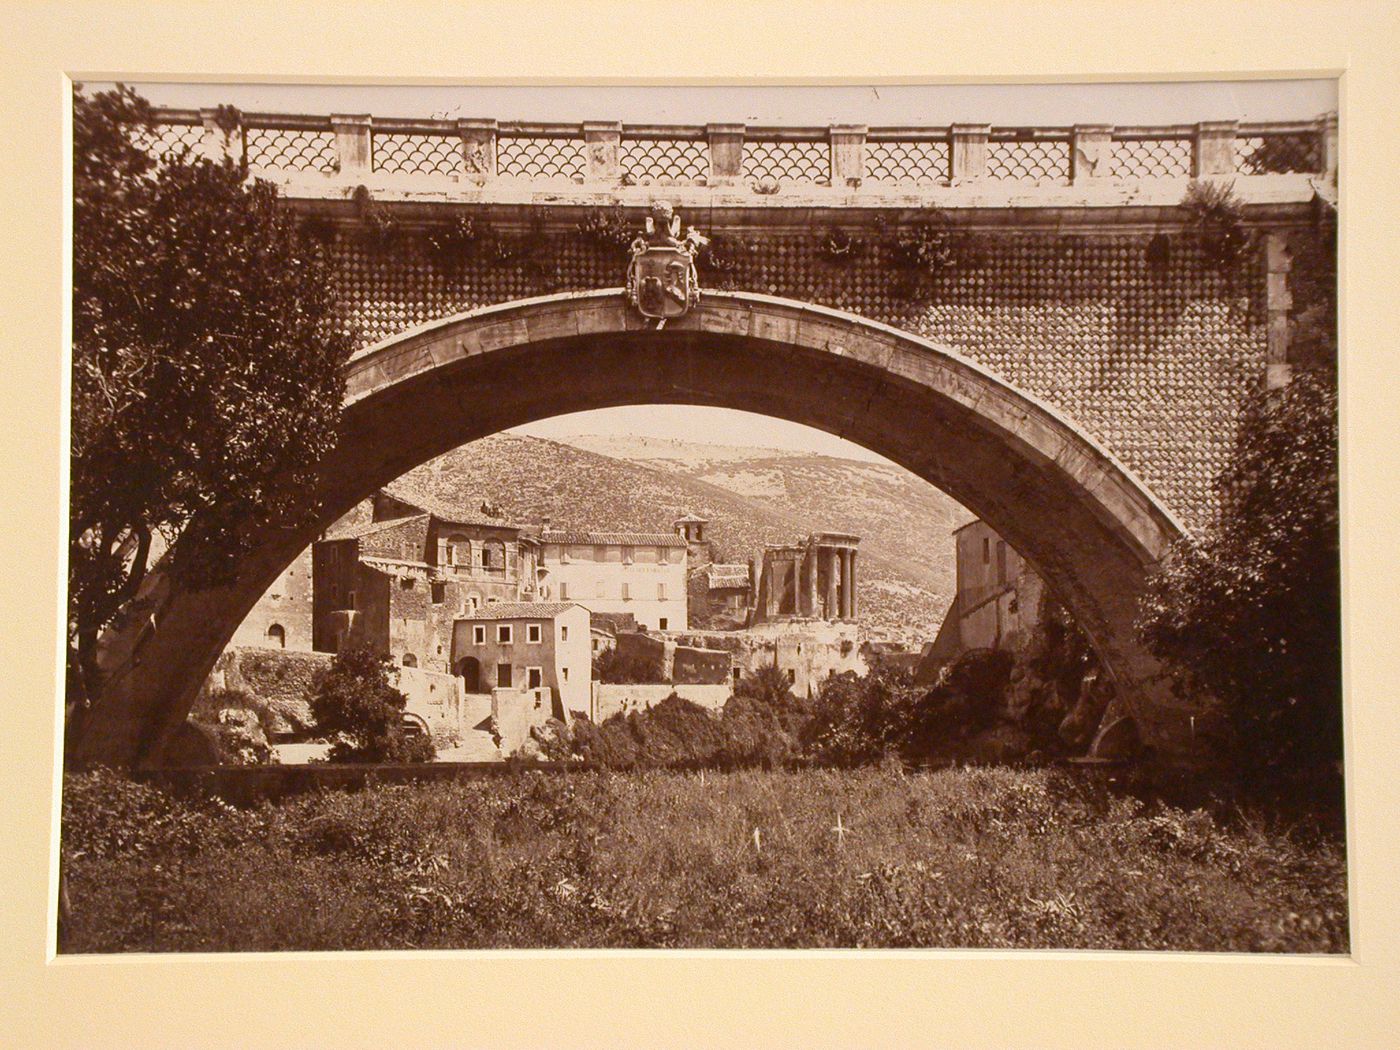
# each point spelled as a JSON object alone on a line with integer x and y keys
{"x": 751, "y": 496}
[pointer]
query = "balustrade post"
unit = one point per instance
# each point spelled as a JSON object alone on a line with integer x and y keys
{"x": 726, "y": 153}
{"x": 478, "y": 148}
{"x": 969, "y": 160}
{"x": 1329, "y": 145}
{"x": 602, "y": 141}
{"x": 848, "y": 154}
{"x": 1215, "y": 148}
{"x": 352, "y": 143}
{"x": 1091, "y": 155}
{"x": 217, "y": 142}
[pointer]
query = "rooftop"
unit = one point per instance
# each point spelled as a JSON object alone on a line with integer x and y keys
{"x": 368, "y": 528}
{"x": 442, "y": 510}
{"x": 619, "y": 539}
{"x": 521, "y": 611}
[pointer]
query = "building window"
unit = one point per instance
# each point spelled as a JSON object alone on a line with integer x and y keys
{"x": 986, "y": 550}
{"x": 479, "y": 634}
{"x": 459, "y": 550}
{"x": 277, "y": 635}
{"x": 352, "y": 600}
{"x": 564, "y": 671}
{"x": 563, "y": 590}
{"x": 438, "y": 590}
{"x": 532, "y": 632}
{"x": 493, "y": 556}
{"x": 792, "y": 675}
{"x": 627, "y": 555}
{"x": 409, "y": 660}
{"x": 738, "y": 673}
{"x": 626, "y": 591}
{"x": 503, "y": 676}
{"x": 1001, "y": 561}
{"x": 533, "y": 677}
{"x": 406, "y": 583}
{"x": 661, "y": 592}
{"x": 504, "y": 633}
{"x": 661, "y": 623}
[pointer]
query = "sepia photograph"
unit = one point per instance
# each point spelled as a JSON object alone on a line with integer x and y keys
{"x": 698, "y": 517}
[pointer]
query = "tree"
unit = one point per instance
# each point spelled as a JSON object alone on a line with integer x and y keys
{"x": 206, "y": 381}
{"x": 355, "y": 699}
{"x": 1251, "y": 616}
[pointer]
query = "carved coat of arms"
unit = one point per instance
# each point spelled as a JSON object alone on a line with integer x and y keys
{"x": 661, "y": 280}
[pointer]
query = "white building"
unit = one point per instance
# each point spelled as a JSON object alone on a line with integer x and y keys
{"x": 617, "y": 572}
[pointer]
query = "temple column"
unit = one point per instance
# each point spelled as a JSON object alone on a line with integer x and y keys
{"x": 793, "y": 585}
{"x": 845, "y": 610}
{"x": 851, "y": 577}
{"x": 809, "y": 582}
{"x": 770, "y": 593}
{"x": 833, "y": 572}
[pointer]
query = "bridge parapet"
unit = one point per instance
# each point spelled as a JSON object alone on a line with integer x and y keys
{"x": 762, "y": 161}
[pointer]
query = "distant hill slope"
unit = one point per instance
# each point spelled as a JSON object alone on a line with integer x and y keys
{"x": 751, "y": 496}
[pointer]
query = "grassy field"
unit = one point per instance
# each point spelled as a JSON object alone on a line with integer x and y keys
{"x": 985, "y": 858}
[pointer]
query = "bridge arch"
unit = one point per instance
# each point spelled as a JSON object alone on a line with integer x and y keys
{"x": 1079, "y": 517}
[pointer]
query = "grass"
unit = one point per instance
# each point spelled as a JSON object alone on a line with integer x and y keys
{"x": 975, "y": 858}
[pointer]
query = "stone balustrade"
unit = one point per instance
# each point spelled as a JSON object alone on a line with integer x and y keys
{"x": 761, "y": 160}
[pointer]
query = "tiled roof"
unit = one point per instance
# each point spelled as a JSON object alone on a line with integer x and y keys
{"x": 444, "y": 511}
{"x": 728, "y": 575}
{"x": 620, "y": 539}
{"x": 371, "y": 527}
{"x": 520, "y": 610}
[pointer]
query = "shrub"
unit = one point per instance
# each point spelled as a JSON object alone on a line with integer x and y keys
{"x": 354, "y": 698}
{"x": 1251, "y": 615}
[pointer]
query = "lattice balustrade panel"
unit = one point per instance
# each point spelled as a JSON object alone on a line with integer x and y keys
{"x": 787, "y": 162}
{"x": 1151, "y": 158}
{"x": 532, "y": 157}
{"x": 1279, "y": 154}
{"x": 404, "y": 153}
{"x": 292, "y": 149}
{"x": 169, "y": 139}
{"x": 1028, "y": 160}
{"x": 667, "y": 162}
{"x": 907, "y": 163}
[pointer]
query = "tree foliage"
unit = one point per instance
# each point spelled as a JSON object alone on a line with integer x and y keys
{"x": 354, "y": 699}
{"x": 1252, "y": 615}
{"x": 206, "y": 378}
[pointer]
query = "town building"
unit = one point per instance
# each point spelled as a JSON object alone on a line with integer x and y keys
{"x": 997, "y": 597}
{"x": 641, "y": 574}
{"x": 540, "y": 648}
{"x": 282, "y": 617}
{"x": 397, "y": 582}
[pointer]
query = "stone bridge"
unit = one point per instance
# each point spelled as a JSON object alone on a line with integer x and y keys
{"x": 1028, "y": 318}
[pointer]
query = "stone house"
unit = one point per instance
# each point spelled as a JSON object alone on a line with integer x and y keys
{"x": 540, "y": 648}
{"x": 397, "y": 582}
{"x": 997, "y": 597}
{"x": 282, "y": 617}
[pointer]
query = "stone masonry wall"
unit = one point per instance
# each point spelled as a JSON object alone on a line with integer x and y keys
{"x": 1147, "y": 350}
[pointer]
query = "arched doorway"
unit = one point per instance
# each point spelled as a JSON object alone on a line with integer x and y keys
{"x": 469, "y": 671}
{"x": 277, "y": 636}
{"x": 1087, "y": 526}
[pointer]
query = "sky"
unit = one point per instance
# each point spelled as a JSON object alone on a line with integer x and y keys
{"x": 1181, "y": 102}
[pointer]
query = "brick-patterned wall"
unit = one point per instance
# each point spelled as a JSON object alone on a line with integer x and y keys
{"x": 1148, "y": 351}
